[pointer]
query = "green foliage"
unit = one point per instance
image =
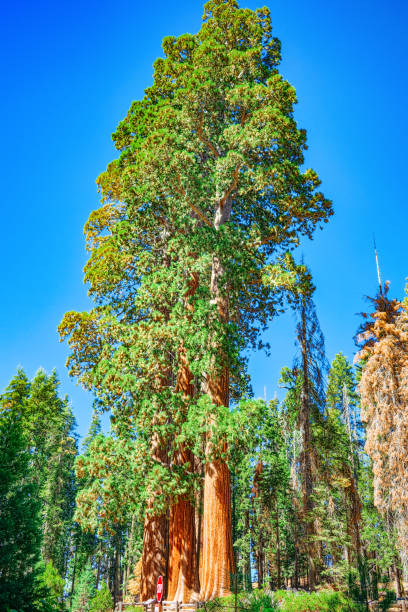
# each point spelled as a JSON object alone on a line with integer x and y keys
{"x": 102, "y": 602}
{"x": 48, "y": 427}
{"x": 20, "y": 533}
{"x": 321, "y": 601}
{"x": 84, "y": 591}
{"x": 286, "y": 601}
{"x": 210, "y": 163}
{"x": 49, "y": 589}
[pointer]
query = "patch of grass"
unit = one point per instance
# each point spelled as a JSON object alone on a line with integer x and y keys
{"x": 285, "y": 601}
{"x": 322, "y": 601}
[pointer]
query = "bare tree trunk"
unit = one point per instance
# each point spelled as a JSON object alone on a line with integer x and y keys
{"x": 73, "y": 577}
{"x": 154, "y": 557}
{"x": 260, "y": 561}
{"x": 248, "y": 581}
{"x": 116, "y": 570}
{"x": 278, "y": 554}
{"x": 98, "y": 573}
{"x": 216, "y": 562}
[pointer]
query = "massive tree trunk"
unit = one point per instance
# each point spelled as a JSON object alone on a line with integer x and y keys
{"x": 154, "y": 557}
{"x": 217, "y": 559}
{"x": 183, "y": 579}
{"x": 155, "y": 538}
{"x": 216, "y": 564}
{"x": 183, "y": 583}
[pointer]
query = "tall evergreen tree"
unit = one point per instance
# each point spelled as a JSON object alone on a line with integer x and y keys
{"x": 20, "y": 529}
{"x": 310, "y": 366}
{"x": 84, "y": 591}
{"x": 210, "y": 165}
{"x": 49, "y": 425}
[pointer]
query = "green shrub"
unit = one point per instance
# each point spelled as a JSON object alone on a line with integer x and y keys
{"x": 102, "y": 602}
{"x": 322, "y": 601}
{"x": 285, "y": 601}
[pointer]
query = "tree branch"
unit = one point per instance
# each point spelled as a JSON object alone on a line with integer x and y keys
{"x": 198, "y": 212}
{"x": 231, "y": 187}
{"x": 205, "y": 140}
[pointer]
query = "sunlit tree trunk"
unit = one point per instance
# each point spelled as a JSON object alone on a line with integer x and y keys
{"x": 183, "y": 582}
{"x": 183, "y": 579}
{"x": 278, "y": 552}
{"x": 155, "y": 538}
{"x": 217, "y": 558}
{"x": 154, "y": 557}
{"x": 216, "y": 563}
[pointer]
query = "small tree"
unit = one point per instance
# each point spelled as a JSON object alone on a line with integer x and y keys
{"x": 102, "y": 602}
{"x": 85, "y": 591}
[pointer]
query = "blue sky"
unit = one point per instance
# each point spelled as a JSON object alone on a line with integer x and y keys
{"x": 69, "y": 71}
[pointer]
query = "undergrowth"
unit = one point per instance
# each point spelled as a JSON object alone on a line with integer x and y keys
{"x": 286, "y": 601}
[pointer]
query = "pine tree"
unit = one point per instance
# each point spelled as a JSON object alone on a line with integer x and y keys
{"x": 342, "y": 463}
{"x": 84, "y": 541}
{"x": 84, "y": 591}
{"x": 49, "y": 589}
{"x": 20, "y": 532}
{"x": 310, "y": 368}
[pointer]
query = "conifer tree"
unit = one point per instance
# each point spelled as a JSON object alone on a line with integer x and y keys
{"x": 20, "y": 529}
{"x": 48, "y": 426}
{"x": 343, "y": 458}
{"x": 84, "y": 591}
{"x": 310, "y": 366}
{"x": 210, "y": 165}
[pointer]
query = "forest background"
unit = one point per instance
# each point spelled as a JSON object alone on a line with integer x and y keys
{"x": 69, "y": 72}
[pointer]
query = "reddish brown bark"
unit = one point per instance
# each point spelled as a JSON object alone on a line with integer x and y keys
{"x": 154, "y": 557}
{"x": 216, "y": 562}
{"x": 183, "y": 579}
{"x": 155, "y": 537}
{"x": 183, "y": 582}
{"x": 217, "y": 559}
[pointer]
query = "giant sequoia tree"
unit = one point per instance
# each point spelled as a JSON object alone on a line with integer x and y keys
{"x": 187, "y": 264}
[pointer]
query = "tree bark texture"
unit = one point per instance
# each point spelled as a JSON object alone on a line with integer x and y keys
{"x": 217, "y": 558}
{"x": 155, "y": 538}
{"x": 183, "y": 582}
{"x": 183, "y": 579}
{"x": 154, "y": 557}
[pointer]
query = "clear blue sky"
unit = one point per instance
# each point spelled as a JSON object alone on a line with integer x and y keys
{"x": 69, "y": 71}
